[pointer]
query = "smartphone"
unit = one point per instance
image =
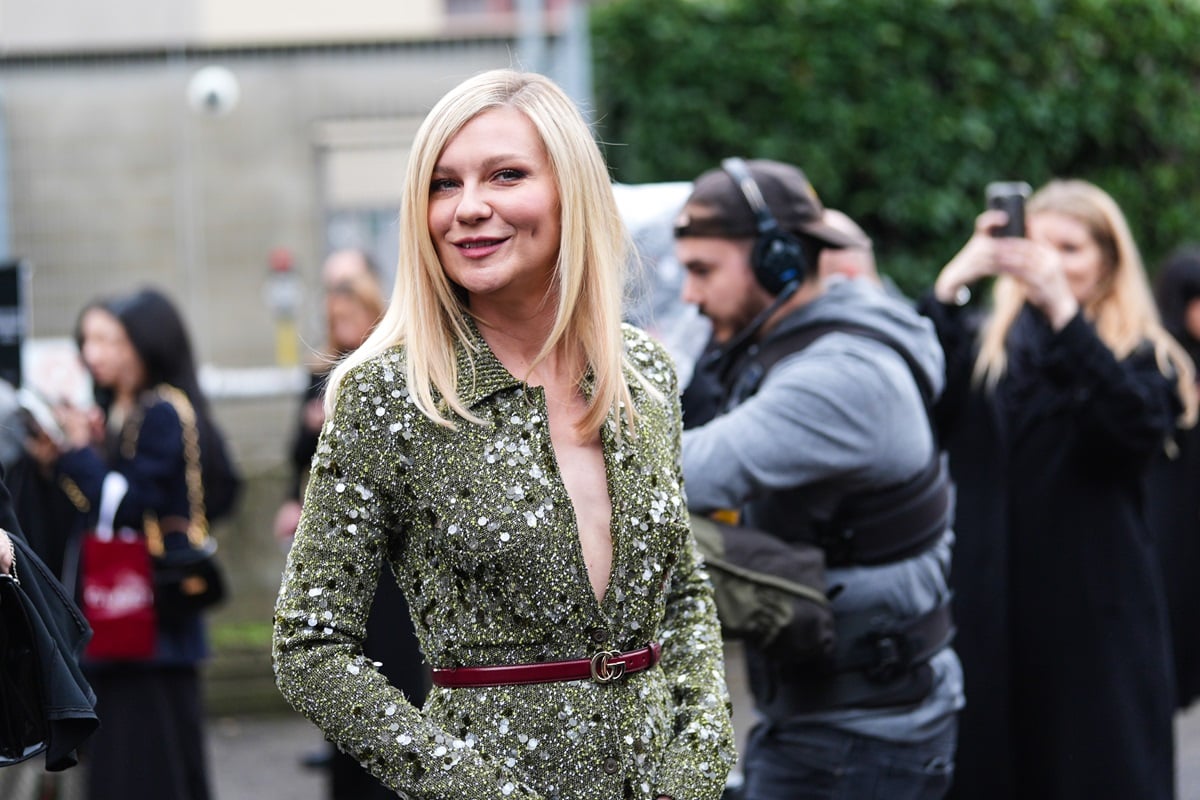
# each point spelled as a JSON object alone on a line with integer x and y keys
{"x": 1009, "y": 197}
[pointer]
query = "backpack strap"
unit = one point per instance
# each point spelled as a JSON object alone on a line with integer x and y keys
{"x": 758, "y": 360}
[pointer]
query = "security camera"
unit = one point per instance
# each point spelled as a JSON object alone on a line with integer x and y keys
{"x": 213, "y": 90}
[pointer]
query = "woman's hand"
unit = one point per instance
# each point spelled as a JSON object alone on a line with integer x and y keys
{"x": 974, "y": 261}
{"x": 314, "y": 415}
{"x": 286, "y": 520}
{"x": 1038, "y": 268}
{"x": 42, "y": 449}
{"x": 82, "y": 427}
{"x": 8, "y": 554}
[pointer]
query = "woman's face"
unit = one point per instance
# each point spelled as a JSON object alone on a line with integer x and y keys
{"x": 108, "y": 354}
{"x": 494, "y": 213}
{"x": 1080, "y": 253}
{"x": 349, "y": 321}
{"x": 1191, "y": 318}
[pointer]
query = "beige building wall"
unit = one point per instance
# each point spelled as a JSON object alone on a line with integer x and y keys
{"x": 40, "y": 25}
{"x": 29, "y": 26}
{"x": 275, "y": 21}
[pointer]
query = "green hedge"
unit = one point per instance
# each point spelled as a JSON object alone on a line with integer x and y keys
{"x": 900, "y": 111}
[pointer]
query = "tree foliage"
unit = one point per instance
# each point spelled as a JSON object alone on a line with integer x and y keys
{"x": 900, "y": 111}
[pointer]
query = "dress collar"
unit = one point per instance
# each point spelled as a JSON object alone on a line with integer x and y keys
{"x": 480, "y": 373}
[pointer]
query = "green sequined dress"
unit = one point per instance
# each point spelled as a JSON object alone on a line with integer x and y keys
{"x": 481, "y": 534}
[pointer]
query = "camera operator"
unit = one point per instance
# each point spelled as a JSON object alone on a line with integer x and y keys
{"x": 822, "y": 436}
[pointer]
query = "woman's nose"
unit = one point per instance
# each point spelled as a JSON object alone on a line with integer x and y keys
{"x": 472, "y": 205}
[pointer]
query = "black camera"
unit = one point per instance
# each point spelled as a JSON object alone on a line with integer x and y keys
{"x": 1009, "y": 197}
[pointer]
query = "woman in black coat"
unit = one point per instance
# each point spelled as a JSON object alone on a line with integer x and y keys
{"x": 149, "y": 406}
{"x": 1057, "y": 402}
{"x": 1173, "y": 488}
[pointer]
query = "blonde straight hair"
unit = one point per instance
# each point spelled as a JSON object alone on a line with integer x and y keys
{"x": 426, "y": 312}
{"x": 1122, "y": 308}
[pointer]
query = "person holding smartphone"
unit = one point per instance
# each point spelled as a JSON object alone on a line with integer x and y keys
{"x": 1057, "y": 399}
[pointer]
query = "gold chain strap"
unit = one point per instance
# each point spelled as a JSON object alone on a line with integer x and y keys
{"x": 198, "y": 524}
{"x": 78, "y": 499}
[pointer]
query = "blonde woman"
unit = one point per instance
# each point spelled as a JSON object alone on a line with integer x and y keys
{"x": 354, "y": 302}
{"x": 511, "y": 451}
{"x": 1057, "y": 400}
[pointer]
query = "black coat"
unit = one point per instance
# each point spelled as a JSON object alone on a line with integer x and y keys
{"x": 60, "y": 632}
{"x": 1059, "y": 598}
{"x": 1173, "y": 493}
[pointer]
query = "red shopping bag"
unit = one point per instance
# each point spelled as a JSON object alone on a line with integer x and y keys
{"x": 118, "y": 596}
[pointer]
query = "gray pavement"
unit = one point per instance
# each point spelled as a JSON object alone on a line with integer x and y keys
{"x": 258, "y": 758}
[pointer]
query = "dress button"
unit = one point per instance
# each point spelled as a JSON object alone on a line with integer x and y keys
{"x": 611, "y": 765}
{"x": 599, "y": 635}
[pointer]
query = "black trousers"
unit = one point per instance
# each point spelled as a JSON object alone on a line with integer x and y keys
{"x": 151, "y": 739}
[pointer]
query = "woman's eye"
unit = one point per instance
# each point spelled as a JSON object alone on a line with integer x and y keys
{"x": 440, "y": 185}
{"x": 510, "y": 175}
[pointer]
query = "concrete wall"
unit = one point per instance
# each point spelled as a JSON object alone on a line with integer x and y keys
{"x": 82, "y": 26}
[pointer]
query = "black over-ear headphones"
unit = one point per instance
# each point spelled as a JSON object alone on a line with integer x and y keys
{"x": 778, "y": 258}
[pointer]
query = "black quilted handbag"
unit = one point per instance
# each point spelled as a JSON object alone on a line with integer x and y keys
{"x": 23, "y": 726}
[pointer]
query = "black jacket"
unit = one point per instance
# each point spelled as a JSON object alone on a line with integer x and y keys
{"x": 61, "y": 634}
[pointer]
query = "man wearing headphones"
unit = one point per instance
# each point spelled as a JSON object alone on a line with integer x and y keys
{"x": 823, "y": 436}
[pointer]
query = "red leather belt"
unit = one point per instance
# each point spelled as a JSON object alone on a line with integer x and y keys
{"x": 605, "y": 666}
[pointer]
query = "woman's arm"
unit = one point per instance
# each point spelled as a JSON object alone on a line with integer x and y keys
{"x": 702, "y": 753}
{"x": 1126, "y": 408}
{"x": 155, "y": 471}
{"x": 976, "y": 260}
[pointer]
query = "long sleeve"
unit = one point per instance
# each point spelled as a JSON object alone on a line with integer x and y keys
{"x": 1126, "y": 407}
{"x": 698, "y": 759}
{"x": 799, "y": 428}
{"x": 155, "y": 470}
{"x": 957, "y": 331}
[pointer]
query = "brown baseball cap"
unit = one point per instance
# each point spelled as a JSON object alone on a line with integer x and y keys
{"x": 719, "y": 207}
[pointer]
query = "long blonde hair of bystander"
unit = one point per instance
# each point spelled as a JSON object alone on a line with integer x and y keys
{"x": 426, "y": 310}
{"x": 1123, "y": 310}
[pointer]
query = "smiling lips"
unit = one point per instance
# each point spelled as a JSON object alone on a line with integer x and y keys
{"x": 478, "y": 248}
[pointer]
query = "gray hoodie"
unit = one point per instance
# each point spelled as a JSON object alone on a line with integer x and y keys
{"x": 838, "y": 417}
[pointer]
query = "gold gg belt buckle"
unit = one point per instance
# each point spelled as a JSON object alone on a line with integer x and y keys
{"x": 605, "y": 668}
